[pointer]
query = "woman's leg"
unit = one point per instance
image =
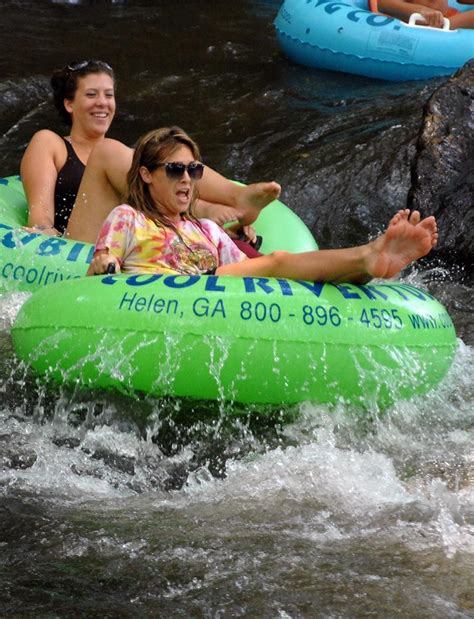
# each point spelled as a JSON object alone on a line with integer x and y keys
{"x": 219, "y": 193}
{"x": 102, "y": 188}
{"x": 105, "y": 182}
{"x": 405, "y": 240}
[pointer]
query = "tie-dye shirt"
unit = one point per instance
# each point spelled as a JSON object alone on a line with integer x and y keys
{"x": 141, "y": 246}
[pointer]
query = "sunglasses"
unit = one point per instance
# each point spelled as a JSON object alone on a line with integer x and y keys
{"x": 83, "y": 64}
{"x": 175, "y": 169}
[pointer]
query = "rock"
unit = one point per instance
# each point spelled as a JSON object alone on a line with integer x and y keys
{"x": 356, "y": 169}
{"x": 352, "y": 174}
{"x": 443, "y": 167}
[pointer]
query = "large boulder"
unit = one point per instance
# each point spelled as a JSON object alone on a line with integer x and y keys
{"x": 442, "y": 180}
{"x": 352, "y": 171}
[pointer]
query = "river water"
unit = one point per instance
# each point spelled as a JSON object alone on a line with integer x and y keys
{"x": 116, "y": 507}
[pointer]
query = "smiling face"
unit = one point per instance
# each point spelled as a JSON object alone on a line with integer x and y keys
{"x": 171, "y": 197}
{"x": 93, "y": 106}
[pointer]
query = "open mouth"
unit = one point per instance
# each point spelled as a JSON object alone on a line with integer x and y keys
{"x": 183, "y": 195}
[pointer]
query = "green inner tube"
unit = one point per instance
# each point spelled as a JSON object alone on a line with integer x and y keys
{"x": 29, "y": 261}
{"x": 249, "y": 340}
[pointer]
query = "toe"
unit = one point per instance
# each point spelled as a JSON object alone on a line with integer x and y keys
{"x": 415, "y": 217}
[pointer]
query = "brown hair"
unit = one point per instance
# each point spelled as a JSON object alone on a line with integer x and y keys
{"x": 152, "y": 149}
{"x": 64, "y": 82}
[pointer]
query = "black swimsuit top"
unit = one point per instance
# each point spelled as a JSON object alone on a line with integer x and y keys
{"x": 67, "y": 186}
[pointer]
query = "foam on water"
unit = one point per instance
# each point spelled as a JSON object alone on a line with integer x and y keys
{"x": 337, "y": 499}
{"x": 10, "y": 305}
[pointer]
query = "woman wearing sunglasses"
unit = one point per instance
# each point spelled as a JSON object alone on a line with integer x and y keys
{"x": 88, "y": 171}
{"x": 155, "y": 231}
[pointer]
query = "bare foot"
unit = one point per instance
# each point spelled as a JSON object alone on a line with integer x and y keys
{"x": 407, "y": 238}
{"x": 254, "y": 198}
{"x": 219, "y": 213}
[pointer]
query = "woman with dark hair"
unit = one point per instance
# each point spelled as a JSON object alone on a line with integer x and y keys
{"x": 88, "y": 171}
{"x": 155, "y": 232}
{"x": 52, "y": 166}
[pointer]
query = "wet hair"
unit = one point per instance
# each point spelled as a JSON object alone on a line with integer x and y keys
{"x": 152, "y": 149}
{"x": 64, "y": 82}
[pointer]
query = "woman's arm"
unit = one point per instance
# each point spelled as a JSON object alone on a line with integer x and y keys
{"x": 218, "y": 193}
{"x": 101, "y": 263}
{"x": 39, "y": 172}
{"x": 115, "y": 236}
{"x": 402, "y": 10}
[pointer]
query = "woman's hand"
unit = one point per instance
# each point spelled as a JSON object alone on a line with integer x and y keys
{"x": 102, "y": 263}
{"x": 432, "y": 17}
{"x": 48, "y": 230}
{"x": 218, "y": 213}
{"x": 401, "y": 9}
{"x": 243, "y": 233}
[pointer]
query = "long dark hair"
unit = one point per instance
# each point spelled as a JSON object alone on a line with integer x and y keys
{"x": 152, "y": 149}
{"x": 64, "y": 82}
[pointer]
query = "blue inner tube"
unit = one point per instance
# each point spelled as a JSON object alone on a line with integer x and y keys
{"x": 347, "y": 36}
